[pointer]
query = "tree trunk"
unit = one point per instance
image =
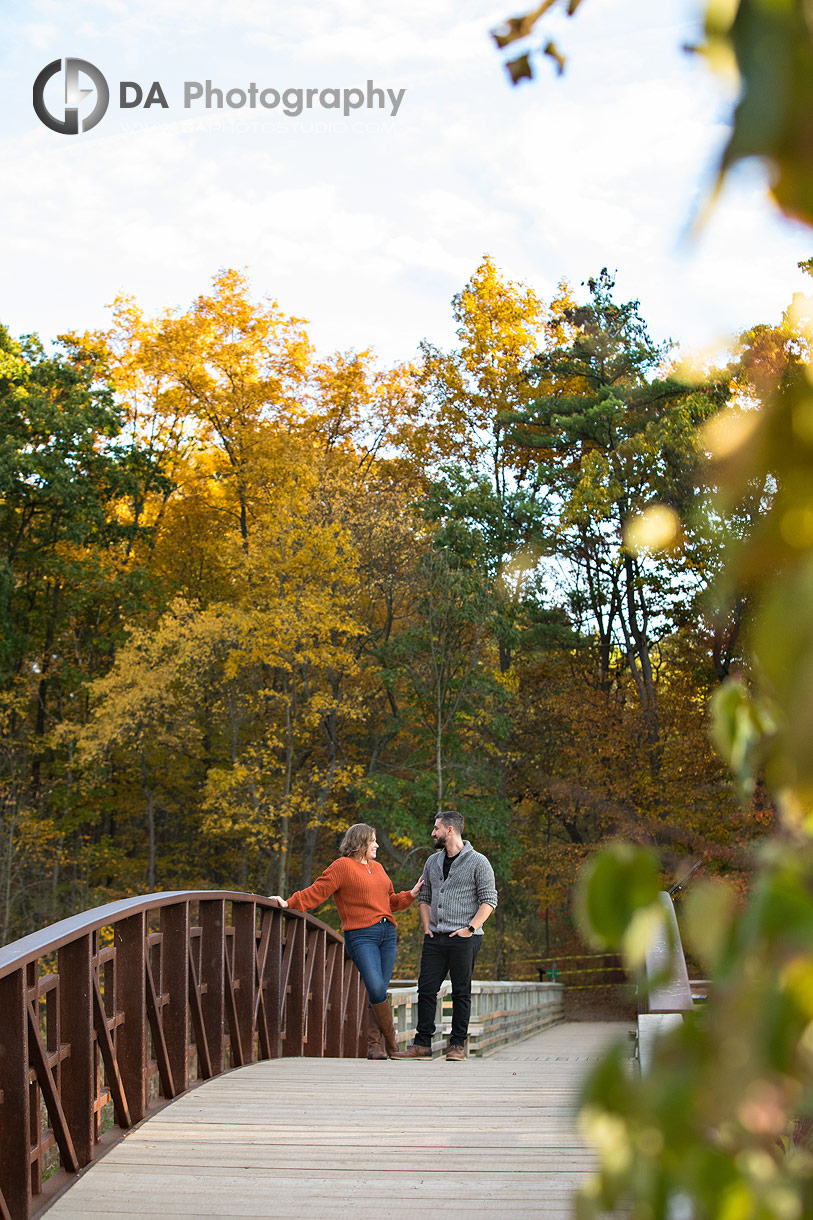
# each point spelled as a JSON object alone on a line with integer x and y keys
{"x": 439, "y": 749}
{"x": 499, "y": 941}
{"x": 330, "y": 728}
{"x": 284, "y": 832}
{"x": 150, "y": 799}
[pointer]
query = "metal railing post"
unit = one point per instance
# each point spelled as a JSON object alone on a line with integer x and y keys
{"x": 15, "y": 1114}
{"x": 316, "y": 998}
{"x": 176, "y": 1020}
{"x": 78, "y": 1076}
{"x": 212, "y": 977}
{"x": 294, "y": 975}
{"x": 129, "y": 994}
{"x": 244, "y": 922}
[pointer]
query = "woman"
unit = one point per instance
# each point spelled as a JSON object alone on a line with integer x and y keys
{"x": 365, "y": 901}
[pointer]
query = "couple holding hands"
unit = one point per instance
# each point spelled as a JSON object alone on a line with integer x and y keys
{"x": 456, "y": 895}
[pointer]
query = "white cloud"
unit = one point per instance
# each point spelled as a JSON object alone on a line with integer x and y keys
{"x": 368, "y": 225}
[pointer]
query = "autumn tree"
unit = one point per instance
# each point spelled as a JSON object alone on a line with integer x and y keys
{"x": 468, "y": 392}
{"x": 67, "y": 574}
{"x": 279, "y": 487}
{"x": 612, "y": 437}
{"x": 217, "y": 372}
{"x": 145, "y": 729}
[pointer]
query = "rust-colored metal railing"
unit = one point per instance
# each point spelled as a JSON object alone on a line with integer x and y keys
{"x": 124, "y": 1007}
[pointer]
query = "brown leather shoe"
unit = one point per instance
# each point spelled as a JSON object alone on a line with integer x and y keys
{"x": 414, "y": 1052}
{"x": 456, "y": 1054}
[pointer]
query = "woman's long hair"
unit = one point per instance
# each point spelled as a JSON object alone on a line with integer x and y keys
{"x": 356, "y": 839}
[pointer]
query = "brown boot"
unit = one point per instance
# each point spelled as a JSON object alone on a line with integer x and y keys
{"x": 382, "y": 1013}
{"x": 375, "y": 1046}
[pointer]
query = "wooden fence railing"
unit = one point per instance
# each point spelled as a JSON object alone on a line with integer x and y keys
{"x": 502, "y": 1012}
{"x": 582, "y": 971}
{"x": 111, "y": 1013}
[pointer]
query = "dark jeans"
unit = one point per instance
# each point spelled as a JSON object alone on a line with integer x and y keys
{"x": 372, "y": 950}
{"x": 453, "y": 955}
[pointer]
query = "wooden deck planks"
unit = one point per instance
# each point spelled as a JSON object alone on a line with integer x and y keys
{"x": 492, "y": 1138}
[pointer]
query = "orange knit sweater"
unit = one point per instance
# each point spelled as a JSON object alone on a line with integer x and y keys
{"x": 362, "y": 898}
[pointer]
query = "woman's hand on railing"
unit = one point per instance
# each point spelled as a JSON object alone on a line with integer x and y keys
{"x": 283, "y": 902}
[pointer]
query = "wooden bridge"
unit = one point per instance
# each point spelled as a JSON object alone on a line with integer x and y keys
{"x": 108, "y": 1016}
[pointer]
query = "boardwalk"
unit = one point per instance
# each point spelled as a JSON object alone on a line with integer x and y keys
{"x": 290, "y": 1138}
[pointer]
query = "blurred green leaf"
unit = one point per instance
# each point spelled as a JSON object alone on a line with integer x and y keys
{"x": 738, "y": 729}
{"x": 772, "y": 41}
{"x": 783, "y": 644}
{"x": 613, "y": 887}
{"x": 708, "y": 912}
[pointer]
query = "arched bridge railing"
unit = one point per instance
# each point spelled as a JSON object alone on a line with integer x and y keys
{"x": 109, "y": 1014}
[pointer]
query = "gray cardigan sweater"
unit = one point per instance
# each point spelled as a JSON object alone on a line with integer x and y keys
{"x": 455, "y": 901}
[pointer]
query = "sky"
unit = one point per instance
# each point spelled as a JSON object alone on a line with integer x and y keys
{"x": 367, "y": 224}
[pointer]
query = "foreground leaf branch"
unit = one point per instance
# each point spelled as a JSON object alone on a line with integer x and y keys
{"x": 768, "y": 47}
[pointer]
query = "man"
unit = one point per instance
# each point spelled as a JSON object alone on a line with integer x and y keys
{"x": 456, "y": 898}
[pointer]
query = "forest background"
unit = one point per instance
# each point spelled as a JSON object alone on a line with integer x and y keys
{"x": 252, "y": 594}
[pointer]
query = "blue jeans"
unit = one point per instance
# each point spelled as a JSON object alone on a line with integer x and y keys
{"x": 372, "y": 951}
